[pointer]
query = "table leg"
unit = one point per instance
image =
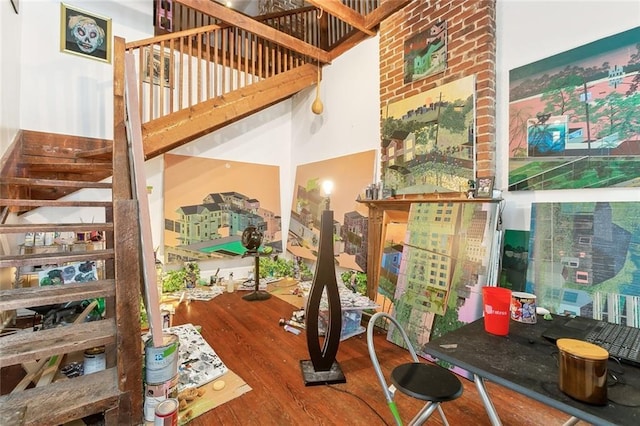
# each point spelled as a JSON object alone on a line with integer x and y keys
{"x": 488, "y": 405}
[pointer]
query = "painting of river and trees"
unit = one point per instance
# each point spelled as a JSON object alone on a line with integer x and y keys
{"x": 428, "y": 141}
{"x": 574, "y": 120}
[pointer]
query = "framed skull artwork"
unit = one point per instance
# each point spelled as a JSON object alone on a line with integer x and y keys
{"x": 84, "y": 33}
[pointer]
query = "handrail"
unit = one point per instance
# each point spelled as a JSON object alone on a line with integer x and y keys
{"x": 179, "y": 70}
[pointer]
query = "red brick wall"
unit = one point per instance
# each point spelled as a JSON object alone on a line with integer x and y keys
{"x": 471, "y": 50}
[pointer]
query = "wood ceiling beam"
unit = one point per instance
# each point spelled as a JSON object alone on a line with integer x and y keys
{"x": 382, "y": 12}
{"x": 239, "y": 20}
{"x": 166, "y": 133}
{"x": 344, "y": 13}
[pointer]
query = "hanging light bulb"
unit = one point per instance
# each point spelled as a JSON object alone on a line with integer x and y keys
{"x": 317, "y": 107}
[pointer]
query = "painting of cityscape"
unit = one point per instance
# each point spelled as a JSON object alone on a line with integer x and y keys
{"x": 447, "y": 256}
{"x": 584, "y": 259}
{"x": 209, "y": 203}
{"x": 428, "y": 140}
{"x": 573, "y": 117}
{"x": 425, "y": 53}
{"x": 350, "y": 175}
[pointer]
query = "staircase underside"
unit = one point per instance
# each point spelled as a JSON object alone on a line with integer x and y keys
{"x": 172, "y": 131}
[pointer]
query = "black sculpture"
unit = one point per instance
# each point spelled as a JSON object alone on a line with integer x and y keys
{"x": 251, "y": 240}
{"x": 322, "y": 368}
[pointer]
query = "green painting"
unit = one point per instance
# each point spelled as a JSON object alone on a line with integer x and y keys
{"x": 573, "y": 117}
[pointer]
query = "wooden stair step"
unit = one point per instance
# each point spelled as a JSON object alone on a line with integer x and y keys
{"x": 62, "y": 401}
{"x": 55, "y": 183}
{"x": 105, "y": 153}
{"x": 55, "y": 258}
{"x": 19, "y": 228}
{"x": 53, "y": 203}
{"x": 68, "y": 167}
{"x": 28, "y": 297}
{"x": 31, "y": 345}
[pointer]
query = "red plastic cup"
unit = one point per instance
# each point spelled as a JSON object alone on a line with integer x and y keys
{"x": 495, "y": 305}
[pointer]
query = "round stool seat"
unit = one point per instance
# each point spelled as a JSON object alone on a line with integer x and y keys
{"x": 426, "y": 382}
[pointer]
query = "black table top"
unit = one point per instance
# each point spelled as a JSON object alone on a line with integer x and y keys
{"x": 527, "y": 363}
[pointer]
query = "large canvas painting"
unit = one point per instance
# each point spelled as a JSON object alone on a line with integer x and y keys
{"x": 573, "y": 117}
{"x": 209, "y": 203}
{"x": 584, "y": 259}
{"x": 350, "y": 174}
{"x": 425, "y": 53}
{"x": 445, "y": 261}
{"x": 428, "y": 142}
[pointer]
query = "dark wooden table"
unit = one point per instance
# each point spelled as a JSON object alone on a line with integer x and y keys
{"x": 525, "y": 362}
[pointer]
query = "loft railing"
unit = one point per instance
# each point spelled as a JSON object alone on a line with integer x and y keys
{"x": 179, "y": 70}
{"x": 306, "y": 24}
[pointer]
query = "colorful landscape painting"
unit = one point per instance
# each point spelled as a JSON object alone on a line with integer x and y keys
{"x": 573, "y": 117}
{"x": 428, "y": 142}
{"x": 584, "y": 259}
{"x": 350, "y": 175}
{"x": 425, "y": 53}
{"x": 445, "y": 262}
{"x": 209, "y": 203}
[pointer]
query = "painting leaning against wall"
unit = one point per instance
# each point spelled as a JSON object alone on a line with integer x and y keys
{"x": 584, "y": 259}
{"x": 573, "y": 117}
{"x": 209, "y": 203}
{"x": 428, "y": 142}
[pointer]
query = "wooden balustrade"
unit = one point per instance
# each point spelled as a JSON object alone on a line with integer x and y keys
{"x": 179, "y": 70}
{"x": 301, "y": 23}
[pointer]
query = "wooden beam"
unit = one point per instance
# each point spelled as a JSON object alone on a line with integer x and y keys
{"x": 239, "y": 20}
{"x": 169, "y": 132}
{"x": 344, "y": 13}
{"x": 382, "y": 12}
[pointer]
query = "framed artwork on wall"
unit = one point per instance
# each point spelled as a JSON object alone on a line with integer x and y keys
{"x": 485, "y": 187}
{"x": 85, "y": 34}
{"x": 425, "y": 53}
{"x": 156, "y": 69}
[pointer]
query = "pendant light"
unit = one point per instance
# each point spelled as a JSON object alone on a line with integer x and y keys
{"x": 316, "y": 106}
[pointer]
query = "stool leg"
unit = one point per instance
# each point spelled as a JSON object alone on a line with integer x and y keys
{"x": 444, "y": 418}
{"x": 424, "y": 413}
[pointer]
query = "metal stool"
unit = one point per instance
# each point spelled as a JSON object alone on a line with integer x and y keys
{"x": 427, "y": 382}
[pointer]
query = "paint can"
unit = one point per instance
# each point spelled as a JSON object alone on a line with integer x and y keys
{"x": 155, "y": 393}
{"x": 161, "y": 363}
{"x": 167, "y": 413}
{"x": 94, "y": 360}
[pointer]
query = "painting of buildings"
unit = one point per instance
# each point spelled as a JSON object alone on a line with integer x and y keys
{"x": 428, "y": 140}
{"x": 573, "y": 117}
{"x": 206, "y": 214}
{"x": 444, "y": 265}
{"x": 350, "y": 174}
{"x": 584, "y": 259}
{"x": 425, "y": 53}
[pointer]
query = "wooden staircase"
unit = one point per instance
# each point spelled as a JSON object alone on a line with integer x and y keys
{"x": 222, "y": 67}
{"x": 44, "y": 179}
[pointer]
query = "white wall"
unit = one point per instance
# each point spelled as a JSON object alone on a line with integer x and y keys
{"x": 529, "y": 30}
{"x": 65, "y": 93}
{"x": 10, "y": 23}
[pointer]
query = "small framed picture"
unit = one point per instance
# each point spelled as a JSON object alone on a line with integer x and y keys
{"x": 484, "y": 188}
{"x": 154, "y": 68}
{"x": 85, "y": 34}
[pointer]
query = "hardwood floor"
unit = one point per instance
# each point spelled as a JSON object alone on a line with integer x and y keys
{"x": 248, "y": 339}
